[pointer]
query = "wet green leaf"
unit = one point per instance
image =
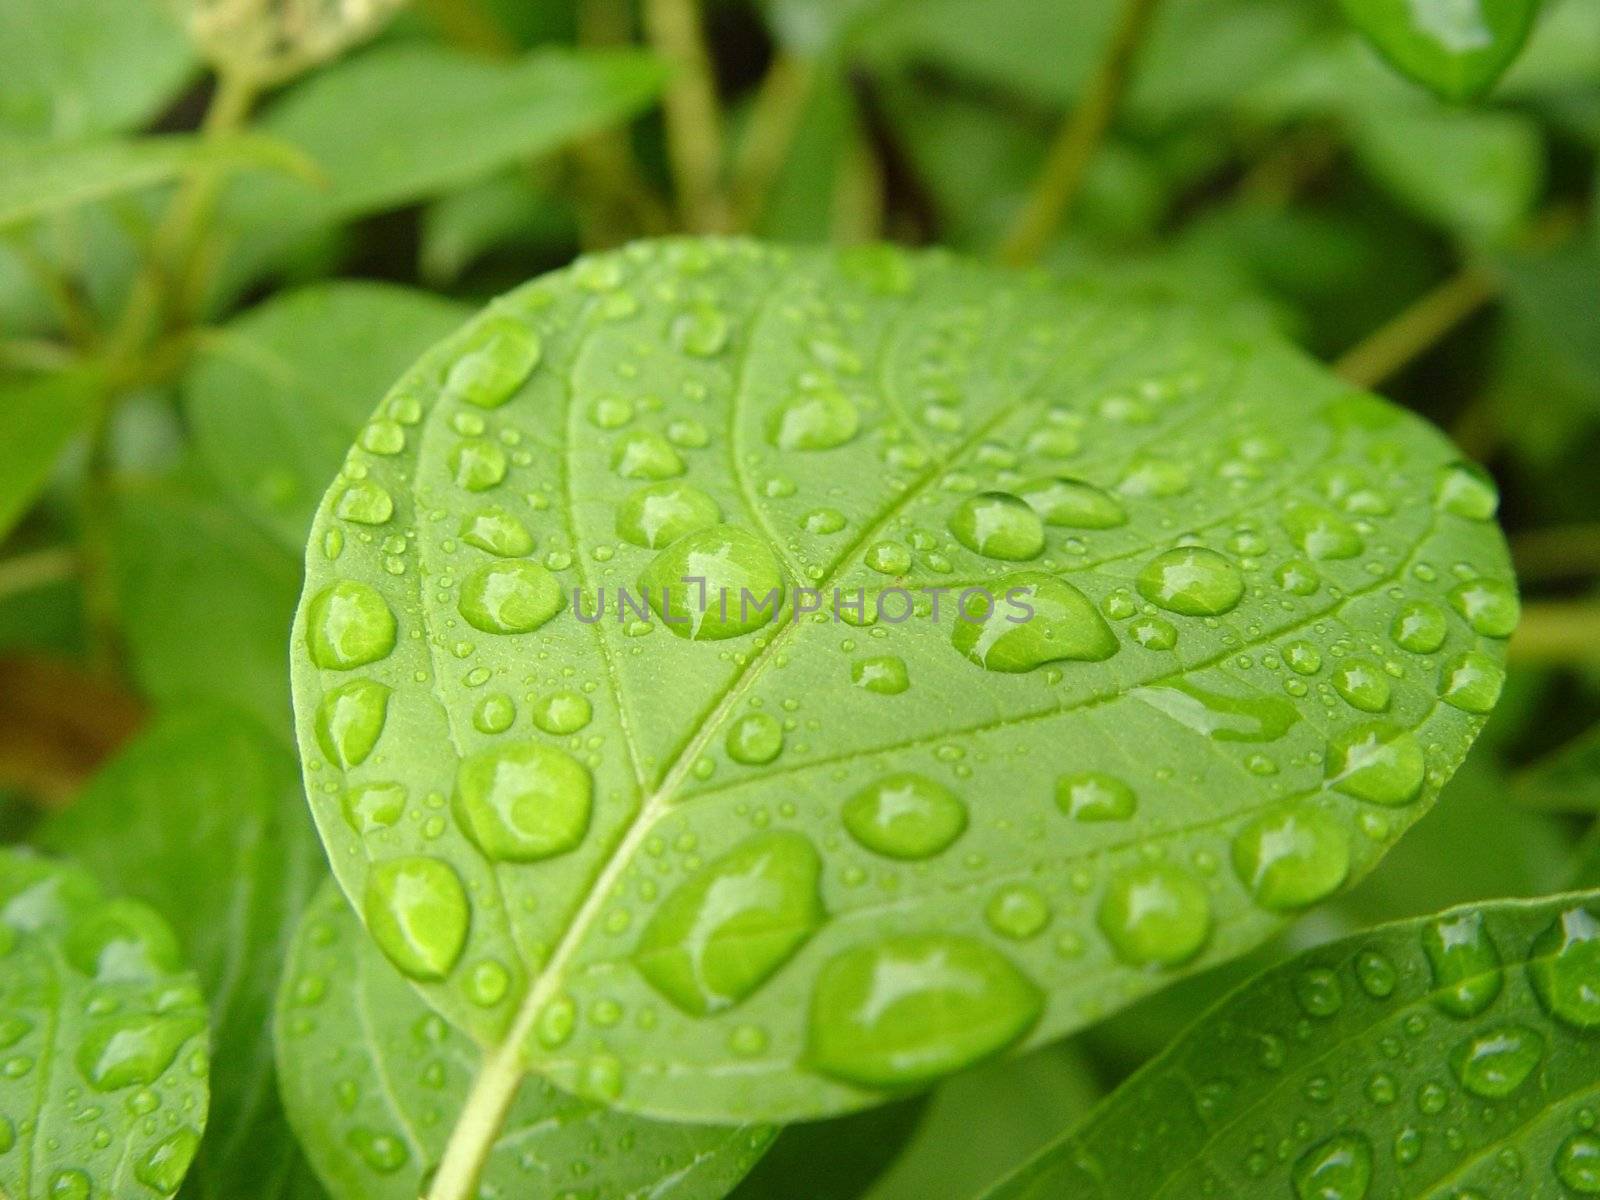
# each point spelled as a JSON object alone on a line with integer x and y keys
{"x": 277, "y": 396}
{"x": 724, "y": 825}
{"x": 39, "y": 417}
{"x": 209, "y": 819}
{"x": 1370, "y": 1067}
{"x": 103, "y": 1065}
{"x": 1457, "y": 49}
{"x": 371, "y": 1077}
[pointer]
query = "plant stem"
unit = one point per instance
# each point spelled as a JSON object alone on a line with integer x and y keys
{"x": 29, "y": 572}
{"x": 480, "y": 1123}
{"x": 34, "y": 354}
{"x": 694, "y": 117}
{"x": 1067, "y": 164}
{"x": 1416, "y": 328}
{"x": 775, "y": 117}
{"x": 1558, "y": 633}
{"x": 470, "y": 26}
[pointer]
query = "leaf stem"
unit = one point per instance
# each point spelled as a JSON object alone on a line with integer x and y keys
{"x": 479, "y": 1125}
{"x": 775, "y": 117}
{"x": 1067, "y": 163}
{"x": 1558, "y": 633}
{"x": 29, "y": 572}
{"x": 1417, "y": 328}
{"x": 694, "y": 116}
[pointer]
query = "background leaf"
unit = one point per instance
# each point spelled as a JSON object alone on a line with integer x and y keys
{"x": 104, "y": 1088}
{"x": 1458, "y": 50}
{"x": 372, "y": 1079}
{"x": 211, "y": 822}
{"x": 1447, "y": 1052}
{"x": 39, "y": 416}
{"x": 1247, "y": 665}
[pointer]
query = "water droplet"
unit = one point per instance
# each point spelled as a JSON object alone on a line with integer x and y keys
{"x": 123, "y": 941}
{"x": 523, "y": 802}
{"x": 1303, "y": 658}
{"x": 350, "y": 720}
{"x": 1564, "y": 967}
{"x": 1017, "y": 911}
{"x": 885, "y": 675}
{"x": 1376, "y": 973}
{"x": 1073, "y": 504}
{"x": 662, "y": 513}
{"x": 701, "y": 332}
{"x": 416, "y": 910}
{"x": 889, "y": 558}
{"x": 715, "y": 583}
{"x": 998, "y": 525}
{"x": 905, "y": 816}
{"x": 1153, "y": 633}
{"x": 1221, "y": 717}
{"x": 1376, "y": 763}
{"x": 731, "y": 926}
{"x": 70, "y": 1184}
{"x": 1291, "y": 858}
{"x": 1362, "y": 684}
{"x": 383, "y": 437}
{"x": 374, "y": 806}
{"x": 348, "y": 625}
{"x": 647, "y": 456}
{"x": 495, "y": 713}
{"x": 1497, "y": 1062}
{"x": 164, "y": 1165}
{"x": 1466, "y": 964}
{"x": 383, "y": 1152}
{"x": 1466, "y": 490}
{"x": 365, "y": 503}
{"x": 1155, "y": 913}
{"x": 1318, "y": 992}
{"x": 819, "y": 420}
{"x": 134, "y": 1050}
{"x": 1095, "y": 796}
{"x": 497, "y": 532}
{"x": 487, "y": 983}
{"x": 1321, "y": 533}
{"x": 1471, "y": 682}
{"x": 1192, "y": 581}
{"x": 562, "y": 712}
{"x": 1577, "y": 1163}
{"x": 755, "y": 739}
{"x": 823, "y": 521}
{"x": 1036, "y": 619}
{"x": 1489, "y": 605}
{"x": 1419, "y": 626}
{"x": 478, "y": 464}
{"x": 510, "y": 597}
{"x": 1337, "y": 1169}
{"x": 909, "y": 1009}
{"x": 499, "y": 356}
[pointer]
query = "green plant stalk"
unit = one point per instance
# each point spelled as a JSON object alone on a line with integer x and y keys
{"x": 1067, "y": 163}
{"x": 1417, "y": 328}
{"x": 694, "y": 116}
{"x": 775, "y": 117}
{"x": 29, "y": 572}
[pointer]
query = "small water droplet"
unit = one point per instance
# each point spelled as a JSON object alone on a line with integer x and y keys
{"x": 1337, "y": 1169}
{"x": 497, "y": 532}
{"x": 374, "y": 806}
{"x": 1497, "y": 1062}
{"x": 1095, "y": 796}
{"x": 365, "y": 503}
{"x": 646, "y": 456}
{"x": 1250, "y": 717}
{"x": 1471, "y": 682}
{"x": 820, "y": 420}
{"x": 1489, "y": 605}
{"x": 755, "y": 739}
{"x": 1466, "y": 490}
{"x": 164, "y": 1165}
{"x": 499, "y": 355}
{"x": 715, "y": 583}
{"x": 1362, "y": 684}
{"x": 1073, "y": 504}
{"x": 562, "y": 712}
{"x": 350, "y": 721}
{"x": 1018, "y": 911}
{"x": 885, "y": 675}
{"x": 479, "y": 465}
{"x": 1420, "y": 626}
{"x": 1321, "y": 533}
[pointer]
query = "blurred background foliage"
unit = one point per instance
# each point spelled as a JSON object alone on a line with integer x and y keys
{"x": 227, "y": 225}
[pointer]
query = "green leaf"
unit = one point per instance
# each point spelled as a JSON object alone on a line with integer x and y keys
{"x": 1566, "y": 780}
{"x": 728, "y": 825}
{"x": 39, "y": 417}
{"x": 371, "y": 1077}
{"x": 403, "y": 123}
{"x": 203, "y": 819}
{"x": 205, "y": 598}
{"x": 1458, "y": 50}
{"x": 39, "y": 178}
{"x": 277, "y": 396}
{"x": 508, "y": 212}
{"x": 74, "y": 68}
{"x": 1449, "y": 1055}
{"x": 103, "y": 1091}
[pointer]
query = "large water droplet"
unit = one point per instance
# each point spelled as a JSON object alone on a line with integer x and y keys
{"x": 562, "y": 712}
{"x": 479, "y": 465}
{"x": 1192, "y": 581}
{"x": 499, "y": 356}
{"x": 1155, "y": 913}
{"x": 662, "y": 513}
{"x": 416, "y": 910}
{"x": 374, "y": 806}
{"x": 998, "y": 525}
{"x": 1419, "y": 626}
{"x": 1376, "y": 763}
{"x": 1564, "y": 967}
{"x": 1017, "y": 911}
{"x": 819, "y": 420}
{"x": 524, "y": 802}
{"x": 715, "y": 583}
{"x": 133, "y": 1050}
{"x": 1362, "y": 684}
{"x": 1466, "y": 490}
{"x": 1489, "y": 605}
{"x": 1291, "y": 858}
{"x": 1030, "y": 620}
{"x": 1466, "y": 965}
{"x": 164, "y": 1165}
{"x": 510, "y": 597}
{"x": 731, "y": 926}
{"x": 1321, "y": 533}
{"x": 348, "y": 625}
{"x": 647, "y": 456}
{"x": 905, "y": 816}
{"x": 1577, "y": 1163}
{"x": 1471, "y": 682}
{"x": 498, "y": 532}
{"x": 910, "y": 1009}
{"x": 1222, "y": 717}
{"x": 1337, "y": 1169}
{"x": 1497, "y": 1062}
{"x": 1095, "y": 796}
{"x": 350, "y": 720}
{"x": 123, "y": 941}
{"x": 1073, "y": 504}
{"x": 70, "y": 1184}
{"x": 882, "y": 674}
{"x": 365, "y": 503}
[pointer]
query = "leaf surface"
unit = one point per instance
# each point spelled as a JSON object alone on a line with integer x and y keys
{"x": 38, "y": 418}
{"x": 103, "y": 1085}
{"x": 210, "y": 830}
{"x": 726, "y": 827}
{"x": 1457, "y": 50}
{"x": 1452, "y": 1055}
{"x": 372, "y": 1078}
